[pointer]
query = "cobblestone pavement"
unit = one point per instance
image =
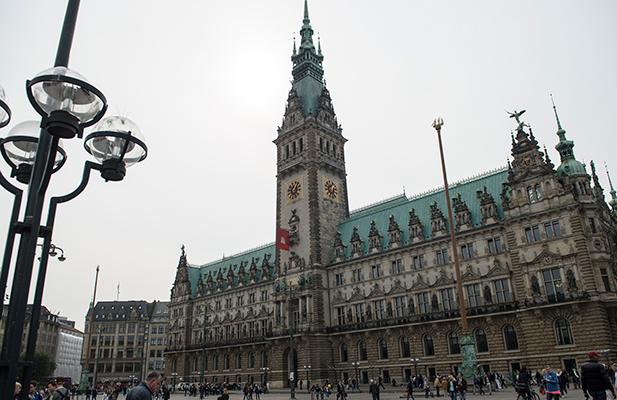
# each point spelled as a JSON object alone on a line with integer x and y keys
{"x": 388, "y": 394}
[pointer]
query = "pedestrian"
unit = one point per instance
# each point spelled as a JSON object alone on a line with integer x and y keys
{"x": 373, "y": 389}
{"x": 410, "y": 390}
{"x": 17, "y": 390}
{"x": 145, "y": 390}
{"x": 552, "y": 384}
{"x": 462, "y": 387}
{"x": 594, "y": 378}
{"x": 437, "y": 385}
{"x": 613, "y": 375}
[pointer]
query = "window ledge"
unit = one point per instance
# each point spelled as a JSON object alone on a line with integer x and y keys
{"x": 512, "y": 351}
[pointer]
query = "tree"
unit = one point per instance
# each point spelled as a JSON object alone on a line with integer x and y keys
{"x": 44, "y": 366}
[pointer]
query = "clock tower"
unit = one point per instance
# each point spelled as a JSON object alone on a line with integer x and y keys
{"x": 311, "y": 178}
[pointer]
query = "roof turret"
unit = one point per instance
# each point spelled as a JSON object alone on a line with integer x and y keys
{"x": 613, "y": 202}
{"x": 569, "y": 164}
{"x": 307, "y": 67}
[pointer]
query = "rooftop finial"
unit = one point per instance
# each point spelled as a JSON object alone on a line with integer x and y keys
{"x": 318, "y": 43}
{"x": 548, "y": 160}
{"x": 306, "y": 14}
{"x": 610, "y": 183}
{"x": 560, "y": 131}
{"x": 294, "y": 39}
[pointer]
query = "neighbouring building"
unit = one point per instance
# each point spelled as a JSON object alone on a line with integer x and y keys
{"x": 68, "y": 353}
{"x": 127, "y": 341}
{"x": 376, "y": 286}
{"x": 49, "y": 327}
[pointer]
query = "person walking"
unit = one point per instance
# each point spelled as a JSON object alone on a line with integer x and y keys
{"x": 451, "y": 387}
{"x": 552, "y": 384}
{"x": 410, "y": 390}
{"x": 145, "y": 390}
{"x": 437, "y": 384}
{"x": 373, "y": 389}
{"x": 594, "y": 378}
{"x": 462, "y": 388}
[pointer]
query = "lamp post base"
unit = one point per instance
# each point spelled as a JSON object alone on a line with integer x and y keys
{"x": 84, "y": 383}
{"x": 468, "y": 350}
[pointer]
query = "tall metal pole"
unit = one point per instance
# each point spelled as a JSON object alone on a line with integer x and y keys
{"x": 292, "y": 350}
{"x": 86, "y": 366}
{"x": 437, "y": 124}
{"x": 468, "y": 367}
{"x": 203, "y": 352}
{"x": 30, "y": 229}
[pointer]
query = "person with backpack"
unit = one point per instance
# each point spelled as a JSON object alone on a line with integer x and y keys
{"x": 523, "y": 383}
{"x": 594, "y": 378}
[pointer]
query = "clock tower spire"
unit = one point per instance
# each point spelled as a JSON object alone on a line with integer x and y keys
{"x": 311, "y": 177}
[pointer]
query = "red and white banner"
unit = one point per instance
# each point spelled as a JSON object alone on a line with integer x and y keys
{"x": 282, "y": 239}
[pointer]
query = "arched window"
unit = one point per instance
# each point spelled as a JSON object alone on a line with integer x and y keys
{"x": 239, "y": 361}
{"x": 563, "y": 332}
{"x": 215, "y": 362}
{"x": 343, "y": 352}
{"x": 405, "y": 347}
{"x": 510, "y": 338}
{"x": 226, "y": 361}
{"x": 383, "y": 349}
{"x": 481, "y": 341}
{"x": 264, "y": 359}
{"x": 362, "y": 353}
{"x": 429, "y": 347}
{"x": 251, "y": 360}
{"x": 453, "y": 344}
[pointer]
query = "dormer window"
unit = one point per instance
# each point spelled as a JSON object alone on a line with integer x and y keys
{"x": 534, "y": 193}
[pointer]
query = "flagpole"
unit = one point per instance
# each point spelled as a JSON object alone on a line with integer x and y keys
{"x": 86, "y": 367}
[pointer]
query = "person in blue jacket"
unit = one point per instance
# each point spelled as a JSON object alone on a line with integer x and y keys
{"x": 551, "y": 382}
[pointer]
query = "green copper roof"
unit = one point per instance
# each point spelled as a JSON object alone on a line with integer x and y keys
{"x": 307, "y": 67}
{"x": 571, "y": 167}
{"x": 400, "y": 206}
{"x": 232, "y": 262}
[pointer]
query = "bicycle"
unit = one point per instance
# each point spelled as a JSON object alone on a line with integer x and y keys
{"x": 532, "y": 396}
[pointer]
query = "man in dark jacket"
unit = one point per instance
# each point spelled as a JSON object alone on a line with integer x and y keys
{"x": 146, "y": 390}
{"x": 594, "y": 378}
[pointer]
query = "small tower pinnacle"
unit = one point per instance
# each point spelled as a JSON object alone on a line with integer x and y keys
{"x": 613, "y": 202}
{"x": 560, "y": 131}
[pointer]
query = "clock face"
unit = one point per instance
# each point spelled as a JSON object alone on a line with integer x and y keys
{"x": 293, "y": 190}
{"x": 330, "y": 189}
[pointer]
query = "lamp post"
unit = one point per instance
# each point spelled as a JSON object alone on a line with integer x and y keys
{"x": 174, "y": 375}
{"x": 307, "y": 368}
{"x": 468, "y": 367}
{"x": 265, "y": 371}
{"x": 67, "y": 104}
{"x": 96, "y": 356}
{"x": 356, "y": 365}
{"x": 203, "y": 350}
{"x": 414, "y": 361}
{"x": 287, "y": 288}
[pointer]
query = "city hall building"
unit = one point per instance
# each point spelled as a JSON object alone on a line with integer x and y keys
{"x": 369, "y": 291}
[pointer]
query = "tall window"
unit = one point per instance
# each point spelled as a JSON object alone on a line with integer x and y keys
{"x": 563, "y": 332}
{"x": 264, "y": 359}
{"x": 343, "y": 352}
{"x": 552, "y": 229}
{"x": 383, "y": 349}
{"x": 423, "y": 303}
{"x": 339, "y": 279}
{"x": 453, "y": 343}
{"x": 474, "y": 295}
{"x": 429, "y": 347}
{"x": 215, "y": 362}
{"x": 226, "y": 361}
{"x": 532, "y": 234}
{"x": 510, "y": 338}
{"x": 442, "y": 256}
{"x": 397, "y": 266}
{"x": 467, "y": 251}
{"x": 375, "y": 271}
{"x": 405, "y": 347}
{"x": 481, "y": 341}
{"x": 239, "y": 361}
{"x": 357, "y": 275}
{"x": 359, "y": 309}
{"x": 534, "y": 193}
{"x": 340, "y": 315}
{"x": 502, "y": 291}
{"x": 494, "y": 245}
{"x": 380, "y": 309}
{"x": 448, "y": 299}
{"x": 251, "y": 360}
{"x": 605, "y": 279}
{"x": 418, "y": 261}
{"x": 399, "y": 306}
{"x": 553, "y": 283}
{"x": 362, "y": 353}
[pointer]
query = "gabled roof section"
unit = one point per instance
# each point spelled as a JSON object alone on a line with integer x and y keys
{"x": 233, "y": 262}
{"x": 399, "y": 207}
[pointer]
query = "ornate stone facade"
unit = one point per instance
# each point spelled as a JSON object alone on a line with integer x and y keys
{"x": 376, "y": 286}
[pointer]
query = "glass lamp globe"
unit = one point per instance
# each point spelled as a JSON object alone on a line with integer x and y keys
{"x": 19, "y": 149}
{"x": 61, "y": 89}
{"x": 5, "y": 111}
{"x": 117, "y": 138}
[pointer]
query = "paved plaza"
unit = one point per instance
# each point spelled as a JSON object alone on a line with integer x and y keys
{"x": 388, "y": 394}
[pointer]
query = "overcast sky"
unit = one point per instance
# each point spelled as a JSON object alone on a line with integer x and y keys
{"x": 207, "y": 82}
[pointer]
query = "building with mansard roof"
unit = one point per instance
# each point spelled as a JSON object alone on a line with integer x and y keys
{"x": 375, "y": 288}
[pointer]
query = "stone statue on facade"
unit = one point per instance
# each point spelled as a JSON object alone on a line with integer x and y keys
{"x": 571, "y": 280}
{"x": 535, "y": 286}
{"x": 488, "y": 296}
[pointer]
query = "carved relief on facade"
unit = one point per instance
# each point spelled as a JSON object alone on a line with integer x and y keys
{"x": 395, "y": 237}
{"x": 357, "y": 245}
{"x": 488, "y": 208}
{"x": 374, "y": 239}
{"x": 462, "y": 215}
{"x": 339, "y": 247}
{"x": 294, "y": 222}
{"x": 438, "y": 221}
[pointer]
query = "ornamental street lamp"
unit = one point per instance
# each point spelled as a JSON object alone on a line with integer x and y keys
{"x": 356, "y": 365}
{"x": 67, "y": 104}
{"x": 414, "y": 361}
{"x": 468, "y": 368}
{"x": 174, "y": 375}
{"x": 287, "y": 288}
{"x": 307, "y": 368}
{"x": 53, "y": 252}
{"x": 265, "y": 371}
